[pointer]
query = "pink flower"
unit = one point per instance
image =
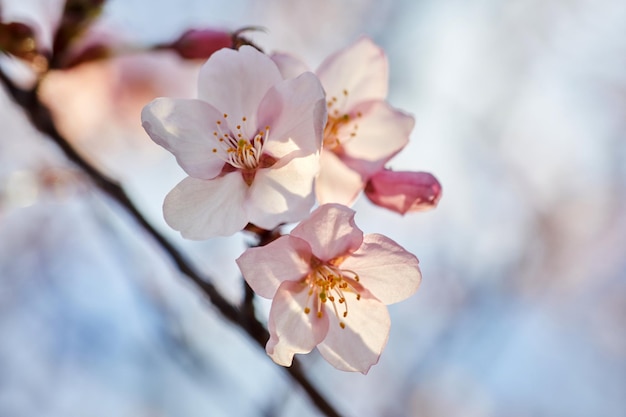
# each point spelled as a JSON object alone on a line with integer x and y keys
{"x": 403, "y": 192}
{"x": 249, "y": 144}
{"x": 363, "y": 131}
{"x": 330, "y": 285}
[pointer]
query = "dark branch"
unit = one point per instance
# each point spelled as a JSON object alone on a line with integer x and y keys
{"x": 41, "y": 118}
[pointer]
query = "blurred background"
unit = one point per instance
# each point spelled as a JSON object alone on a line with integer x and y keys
{"x": 521, "y": 114}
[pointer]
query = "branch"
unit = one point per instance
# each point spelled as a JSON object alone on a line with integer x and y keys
{"x": 41, "y": 118}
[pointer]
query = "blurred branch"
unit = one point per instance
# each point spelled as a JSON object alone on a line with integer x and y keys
{"x": 41, "y": 118}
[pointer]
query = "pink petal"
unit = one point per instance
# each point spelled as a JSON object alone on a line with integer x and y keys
{"x": 265, "y": 268}
{"x": 382, "y": 132}
{"x": 385, "y": 268}
{"x": 201, "y": 209}
{"x": 185, "y": 127}
{"x": 295, "y": 111}
{"x": 331, "y": 232}
{"x": 291, "y": 329}
{"x": 289, "y": 65}
{"x": 336, "y": 182}
{"x": 235, "y": 82}
{"x": 282, "y": 194}
{"x": 357, "y": 346}
{"x": 360, "y": 69}
{"x": 403, "y": 191}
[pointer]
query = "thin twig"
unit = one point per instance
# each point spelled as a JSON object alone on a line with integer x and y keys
{"x": 41, "y": 118}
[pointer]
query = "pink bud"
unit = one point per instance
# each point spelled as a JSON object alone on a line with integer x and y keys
{"x": 403, "y": 191}
{"x": 200, "y": 43}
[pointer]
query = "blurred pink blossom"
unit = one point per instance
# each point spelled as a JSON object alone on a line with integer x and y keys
{"x": 250, "y": 145}
{"x": 329, "y": 285}
{"x": 403, "y": 191}
{"x": 363, "y": 131}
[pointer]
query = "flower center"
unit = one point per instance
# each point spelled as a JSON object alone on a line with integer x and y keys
{"x": 240, "y": 152}
{"x": 335, "y": 135}
{"x": 330, "y": 284}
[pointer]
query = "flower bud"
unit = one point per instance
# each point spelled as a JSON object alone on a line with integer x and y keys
{"x": 200, "y": 43}
{"x": 403, "y": 191}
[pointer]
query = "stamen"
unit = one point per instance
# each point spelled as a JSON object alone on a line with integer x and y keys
{"x": 329, "y": 283}
{"x": 236, "y": 150}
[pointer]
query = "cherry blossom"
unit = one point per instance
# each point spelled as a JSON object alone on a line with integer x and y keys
{"x": 363, "y": 131}
{"x": 403, "y": 191}
{"x": 250, "y": 145}
{"x": 330, "y": 285}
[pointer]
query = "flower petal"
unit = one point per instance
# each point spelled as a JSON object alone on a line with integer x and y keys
{"x": 385, "y": 268}
{"x": 265, "y": 268}
{"x": 295, "y": 111}
{"x": 184, "y": 128}
{"x": 282, "y": 194}
{"x": 291, "y": 329}
{"x": 235, "y": 82}
{"x": 361, "y": 69}
{"x": 331, "y": 232}
{"x": 336, "y": 182}
{"x": 382, "y": 132}
{"x": 289, "y": 65}
{"x": 403, "y": 191}
{"x": 201, "y": 209}
{"x": 358, "y": 346}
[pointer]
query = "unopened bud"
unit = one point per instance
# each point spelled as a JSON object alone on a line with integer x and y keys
{"x": 200, "y": 43}
{"x": 403, "y": 191}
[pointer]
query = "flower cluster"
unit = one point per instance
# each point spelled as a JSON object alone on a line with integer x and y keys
{"x": 265, "y": 140}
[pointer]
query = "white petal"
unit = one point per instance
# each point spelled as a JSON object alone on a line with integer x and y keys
{"x": 357, "y": 346}
{"x": 382, "y": 132}
{"x": 385, "y": 268}
{"x": 291, "y": 329}
{"x": 330, "y": 231}
{"x": 265, "y": 268}
{"x": 185, "y": 127}
{"x": 360, "y": 69}
{"x": 295, "y": 111}
{"x": 282, "y": 194}
{"x": 235, "y": 82}
{"x": 336, "y": 182}
{"x": 289, "y": 65}
{"x": 201, "y": 209}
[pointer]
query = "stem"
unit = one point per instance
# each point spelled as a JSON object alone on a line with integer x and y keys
{"x": 41, "y": 118}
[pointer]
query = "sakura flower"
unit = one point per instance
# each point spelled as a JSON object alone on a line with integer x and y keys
{"x": 249, "y": 144}
{"x": 363, "y": 131}
{"x": 403, "y": 191}
{"x": 330, "y": 285}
